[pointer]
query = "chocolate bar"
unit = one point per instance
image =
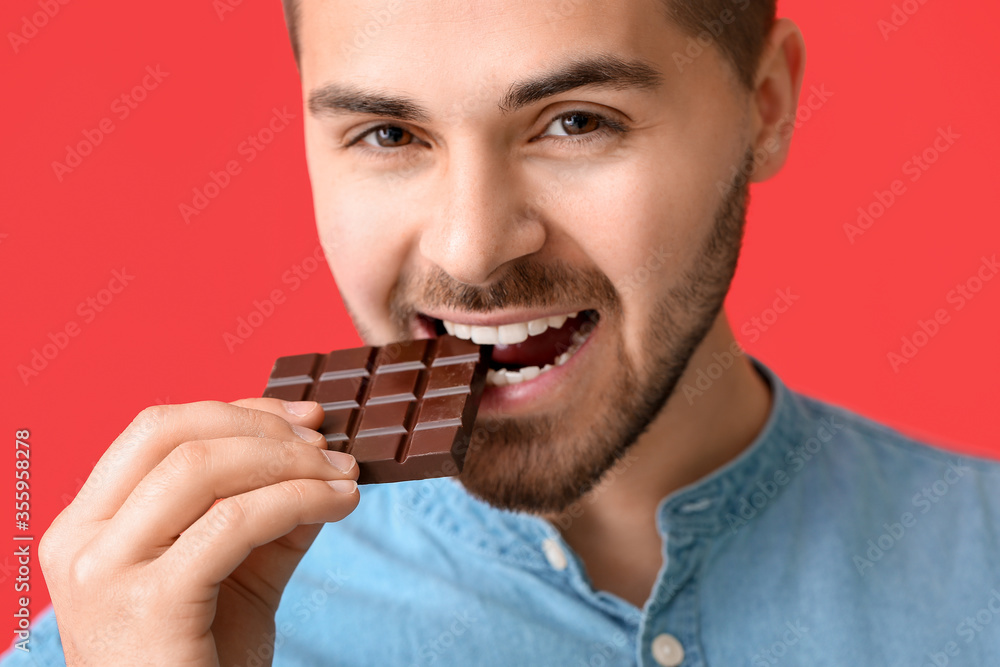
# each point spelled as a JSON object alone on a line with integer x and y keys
{"x": 404, "y": 411}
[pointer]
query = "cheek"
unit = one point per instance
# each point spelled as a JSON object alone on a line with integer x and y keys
{"x": 358, "y": 226}
{"x": 642, "y": 220}
{"x": 637, "y": 220}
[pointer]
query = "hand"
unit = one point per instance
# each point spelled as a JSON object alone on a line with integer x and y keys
{"x": 147, "y": 566}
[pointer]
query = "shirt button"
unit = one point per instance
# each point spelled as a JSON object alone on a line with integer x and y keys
{"x": 667, "y": 650}
{"x": 554, "y": 554}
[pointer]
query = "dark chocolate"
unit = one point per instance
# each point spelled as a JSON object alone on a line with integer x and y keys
{"x": 404, "y": 411}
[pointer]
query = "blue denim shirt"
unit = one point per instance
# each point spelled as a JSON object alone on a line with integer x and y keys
{"x": 831, "y": 540}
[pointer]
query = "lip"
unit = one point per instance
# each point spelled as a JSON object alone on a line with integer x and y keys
{"x": 532, "y": 396}
{"x": 421, "y": 329}
{"x": 496, "y": 320}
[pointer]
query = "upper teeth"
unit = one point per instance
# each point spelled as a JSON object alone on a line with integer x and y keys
{"x": 506, "y": 334}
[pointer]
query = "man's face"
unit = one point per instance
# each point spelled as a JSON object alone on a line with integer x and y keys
{"x": 601, "y": 200}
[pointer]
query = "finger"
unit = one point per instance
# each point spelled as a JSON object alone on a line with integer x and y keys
{"x": 212, "y": 548}
{"x": 275, "y": 562}
{"x": 306, "y": 413}
{"x": 157, "y": 430}
{"x": 193, "y": 476}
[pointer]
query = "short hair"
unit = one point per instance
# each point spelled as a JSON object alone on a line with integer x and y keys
{"x": 738, "y": 27}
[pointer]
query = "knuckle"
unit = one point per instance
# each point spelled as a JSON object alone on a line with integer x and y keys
{"x": 48, "y": 551}
{"x": 249, "y": 403}
{"x": 258, "y": 423}
{"x": 281, "y": 457}
{"x": 210, "y": 409}
{"x": 151, "y": 418}
{"x": 189, "y": 457}
{"x": 317, "y": 458}
{"x": 56, "y": 542}
{"x": 227, "y": 520}
{"x": 85, "y": 570}
{"x": 210, "y": 405}
{"x": 295, "y": 492}
{"x": 288, "y": 454}
{"x": 151, "y": 490}
{"x": 228, "y": 514}
{"x": 145, "y": 424}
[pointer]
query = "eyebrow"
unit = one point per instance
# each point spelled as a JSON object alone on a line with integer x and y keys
{"x": 606, "y": 71}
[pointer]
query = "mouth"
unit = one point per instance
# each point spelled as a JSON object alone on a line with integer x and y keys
{"x": 524, "y": 350}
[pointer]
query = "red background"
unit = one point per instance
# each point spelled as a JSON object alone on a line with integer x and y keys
{"x": 161, "y": 339}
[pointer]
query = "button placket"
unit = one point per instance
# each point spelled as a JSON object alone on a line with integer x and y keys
{"x": 669, "y": 635}
{"x": 667, "y": 650}
{"x": 555, "y": 554}
{"x": 678, "y": 621}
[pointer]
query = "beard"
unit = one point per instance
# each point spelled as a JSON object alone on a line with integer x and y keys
{"x": 543, "y": 463}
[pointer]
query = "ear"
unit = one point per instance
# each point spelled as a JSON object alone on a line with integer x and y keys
{"x": 775, "y": 97}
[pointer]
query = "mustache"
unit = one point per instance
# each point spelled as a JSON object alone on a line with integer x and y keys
{"x": 526, "y": 283}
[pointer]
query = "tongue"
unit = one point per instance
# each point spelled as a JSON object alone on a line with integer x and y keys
{"x": 537, "y": 350}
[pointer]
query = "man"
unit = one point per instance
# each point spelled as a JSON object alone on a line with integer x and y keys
{"x": 567, "y": 180}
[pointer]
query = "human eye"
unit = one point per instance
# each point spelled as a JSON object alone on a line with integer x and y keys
{"x": 573, "y": 128}
{"x": 580, "y": 127}
{"x": 383, "y": 141}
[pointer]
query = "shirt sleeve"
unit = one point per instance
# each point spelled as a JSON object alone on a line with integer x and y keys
{"x": 44, "y": 647}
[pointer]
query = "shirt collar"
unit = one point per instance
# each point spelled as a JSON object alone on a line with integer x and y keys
{"x": 715, "y": 501}
{"x": 704, "y": 507}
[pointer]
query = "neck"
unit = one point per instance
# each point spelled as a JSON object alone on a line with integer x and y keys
{"x": 613, "y": 527}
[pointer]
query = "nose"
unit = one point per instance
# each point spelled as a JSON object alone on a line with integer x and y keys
{"x": 483, "y": 221}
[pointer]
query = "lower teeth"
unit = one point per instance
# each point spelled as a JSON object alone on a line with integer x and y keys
{"x": 503, "y": 377}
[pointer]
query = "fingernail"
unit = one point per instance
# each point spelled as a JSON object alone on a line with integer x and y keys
{"x": 306, "y": 434}
{"x": 300, "y": 408}
{"x": 343, "y": 485}
{"x": 341, "y": 461}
